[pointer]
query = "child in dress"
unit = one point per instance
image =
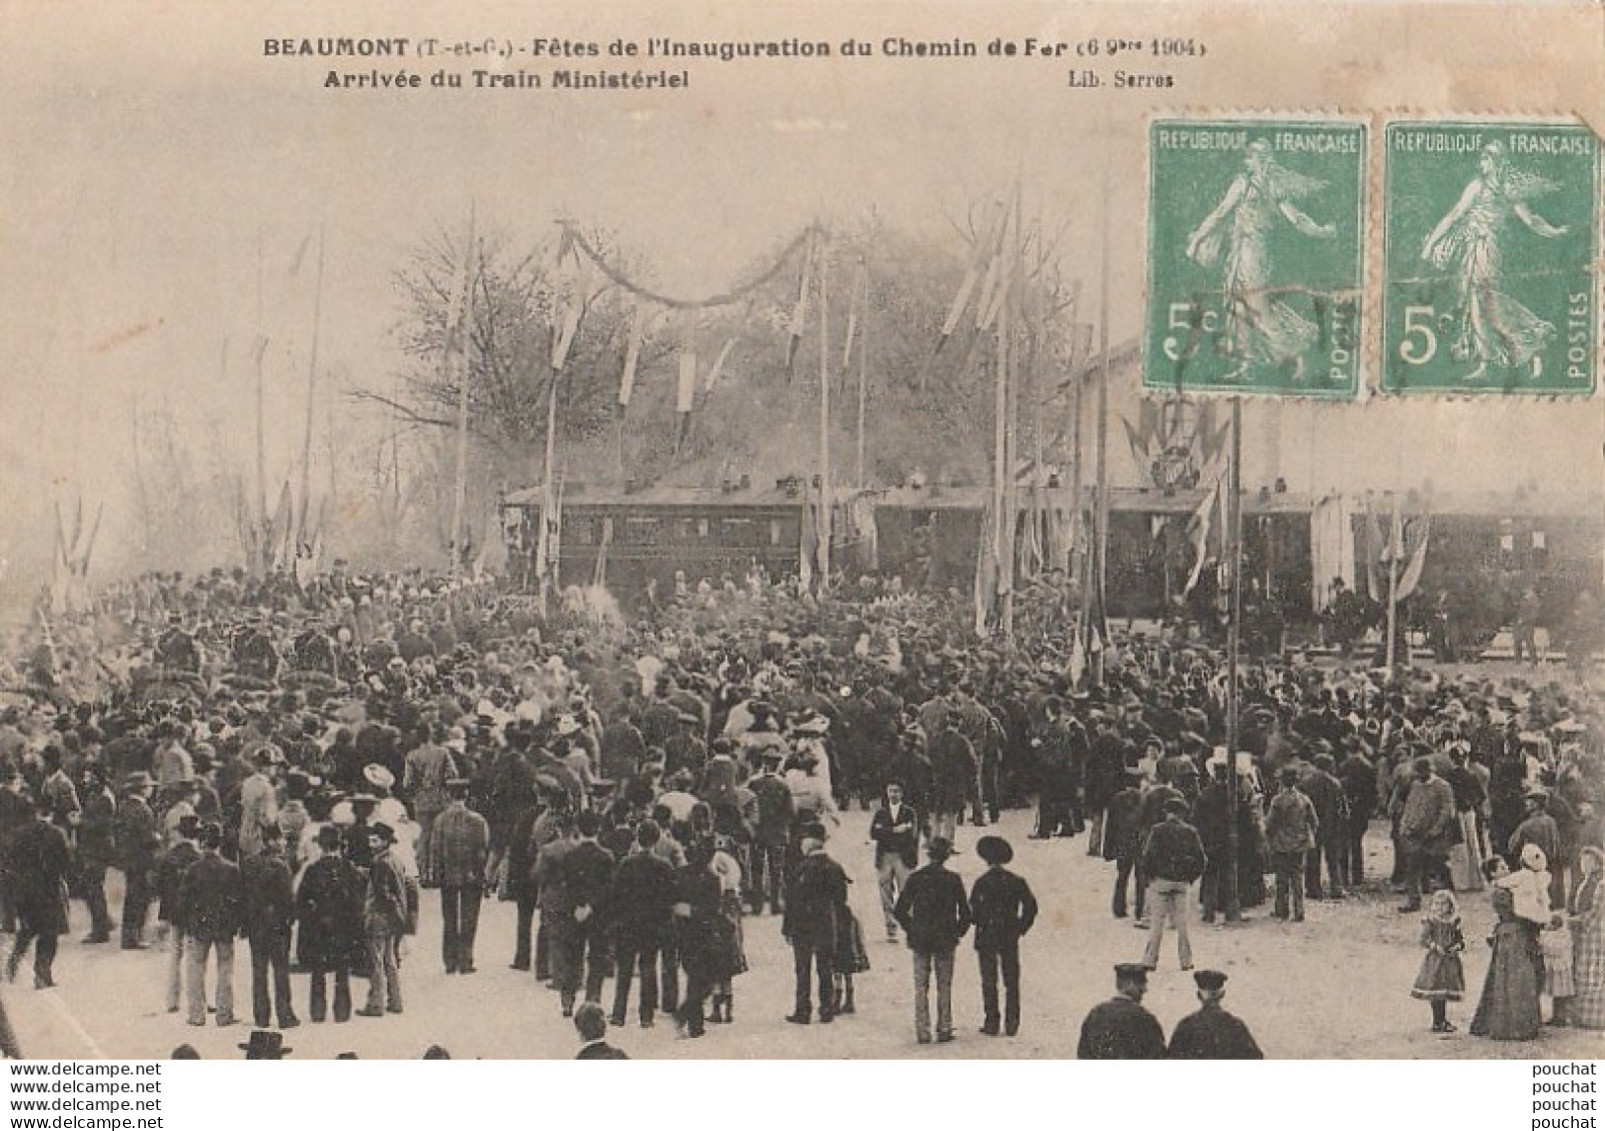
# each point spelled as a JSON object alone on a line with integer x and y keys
{"x": 1442, "y": 978}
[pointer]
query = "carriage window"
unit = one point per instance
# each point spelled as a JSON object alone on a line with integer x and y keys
{"x": 641, "y": 531}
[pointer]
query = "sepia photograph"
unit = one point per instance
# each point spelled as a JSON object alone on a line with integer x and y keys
{"x": 776, "y": 531}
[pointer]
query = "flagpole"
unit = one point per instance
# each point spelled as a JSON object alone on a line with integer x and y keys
{"x": 260, "y": 349}
{"x": 459, "y": 497}
{"x": 1232, "y": 901}
{"x": 1101, "y": 548}
{"x": 824, "y": 415}
{"x": 863, "y": 363}
{"x": 312, "y": 386}
{"x": 1395, "y": 545}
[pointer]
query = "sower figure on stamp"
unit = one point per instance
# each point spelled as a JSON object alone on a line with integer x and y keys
{"x": 1491, "y": 326}
{"x": 1237, "y": 234}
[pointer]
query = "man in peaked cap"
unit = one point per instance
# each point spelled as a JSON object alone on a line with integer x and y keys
{"x": 1212, "y": 1033}
{"x": 1120, "y": 1028}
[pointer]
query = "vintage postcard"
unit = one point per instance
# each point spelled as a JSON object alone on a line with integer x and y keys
{"x": 801, "y": 531}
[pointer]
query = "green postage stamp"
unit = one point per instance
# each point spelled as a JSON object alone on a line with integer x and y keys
{"x": 1256, "y": 249}
{"x": 1491, "y": 235}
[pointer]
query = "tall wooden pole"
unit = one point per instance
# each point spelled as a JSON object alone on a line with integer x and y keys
{"x": 260, "y": 350}
{"x": 1101, "y": 548}
{"x": 549, "y": 499}
{"x": 1395, "y": 547}
{"x": 458, "y": 335}
{"x": 863, "y": 365}
{"x": 312, "y": 390}
{"x": 824, "y": 415}
{"x": 1232, "y": 898}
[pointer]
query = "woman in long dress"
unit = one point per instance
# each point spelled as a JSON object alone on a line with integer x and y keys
{"x": 1492, "y": 328}
{"x": 1587, "y": 917}
{"x": 1258, "y": 329}
{"x": 1508, "y": 1009}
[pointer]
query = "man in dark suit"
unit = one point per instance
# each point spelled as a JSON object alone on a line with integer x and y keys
{"x": 642, "y": 913}
{"x": 1122, "y": 841}
{"x": 581, "y": 939}
{"x": 139, "y": 840}
{"x": 591, "y": 1025}
{"x": 771, "y": 836}
{"x": 935, "y": 914}
{"x": 1004, "y": 909}
{"x": 96, "y": 848}
{"x": 209, "y": 896}
{"x": 1327, "y": 796}
{"x": 895, "y": 829}
{"x": 1212, "y": 1033}
{"x": 815, "y": 898}
{"x": 37, "y": 866}
{"x": 1120, "y": 1028}
{"x": 268, "y": 899}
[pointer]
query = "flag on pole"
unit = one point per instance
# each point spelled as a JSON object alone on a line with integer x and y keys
{"x": 1375, "y": 549}
{"x": 685, "y": 396}
{"x": 808, "y": 544}
{"x": 632, "y": 356}
{"x": 1205, "y": 530}
{"x": 718, "y": 365}
{"x": 1420, "y": 532}
{"x": 972, "y": 275}
{"x": 799, "y": 313}
{"x": 986, "y": 568}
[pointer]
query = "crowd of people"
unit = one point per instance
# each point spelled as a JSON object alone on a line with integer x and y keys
{"x": 296, "y": 766}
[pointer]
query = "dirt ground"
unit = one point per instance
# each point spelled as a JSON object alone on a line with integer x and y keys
{"x": 1336, "y": 986}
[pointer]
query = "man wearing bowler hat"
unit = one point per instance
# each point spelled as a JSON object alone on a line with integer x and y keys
{"x": 454, "y": 861}
{"x": 387, "y": 916}
{"x": 935, "y": 915}
{"x": 139, "y": 840}
{"x": 265, "y": 1045}
{"x": 815, "y": 899}
{"x": 1212, "y": 1033}
{"x": 1004, "y": 909}
{"x": 1120, "y": 1028}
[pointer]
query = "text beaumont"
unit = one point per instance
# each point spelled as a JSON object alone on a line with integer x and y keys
{"x": 341, "y": 47}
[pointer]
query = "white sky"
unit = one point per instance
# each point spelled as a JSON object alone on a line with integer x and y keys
{"x": 147, "y": 152}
